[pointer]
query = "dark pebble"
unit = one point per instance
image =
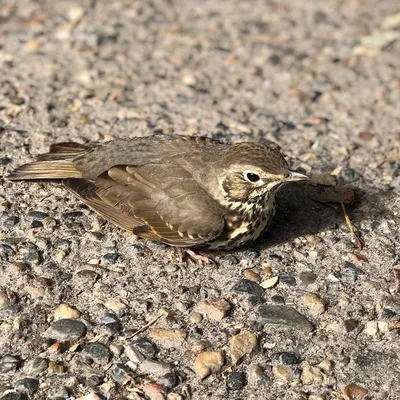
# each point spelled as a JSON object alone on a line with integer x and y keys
{"x": 285, "y": 358}
{"x": 97, "y": 352}
{"x": 350, "y": 271}
{"x": 307, "y": 278}
{"x": 288, "y": 280}
{"x": 32, "y": 256}
{"x": 120, "y": 373}
{"x": 347, "y": 175}
{"x": 14, "y": 396}
{"x": 278, "y": 299}
{"x": 72, "y": 214}
{"x": 5, "y": 160}
{"x": 6, "y": 252}
{"x": 62, "y": 244}
{"x": 38, "y": 215}
{"x": 67, "y": 330}
{"x": 351, "y": 324}
{"x": 109, "y": 258}
{"x": 27, "y": 385}
{"x": 36, "y": 224}
{"x": 250, "y": 254}
{"x": 274, "y": 59}
{"x": 11, "y": 221}
{"x": 35, "y": 366}
{"x": 9, "y": 364}
{"x": 86, "y": 276}
{"x": 283, "y": 315}
{"x": 110, "y": 323}
{"x": 144, "y": 346}
{"x": 170, "y": 380}
{"x": 249, "y": 287}
{"x": 235, "y": 380}
{"x": 139, "y": 249}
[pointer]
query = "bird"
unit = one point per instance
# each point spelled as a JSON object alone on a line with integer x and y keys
{"x": 184, "y": 191}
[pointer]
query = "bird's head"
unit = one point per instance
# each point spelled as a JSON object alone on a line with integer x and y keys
{"x": 255, "y": 171}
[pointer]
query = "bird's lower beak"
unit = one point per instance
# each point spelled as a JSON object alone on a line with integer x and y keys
{"x": 295, "y": 176}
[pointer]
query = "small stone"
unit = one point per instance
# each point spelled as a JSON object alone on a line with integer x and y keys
{"x": 55, "y": 368}
{"x": 371, "y": 328}
{"x": 189, "y": 80}
{"x": 65, "y": 311}
{"x": 66, "y": 330}
{"x": 116, "y": 306}
{"x": 155, "y": 368}
{"x": 26, "y": 385}
{"x": 269, "y": 283}
{"x": 133, "y": 354}
{"x": 277, "y": 299}
{"x": 10, "y": 221}
{"x": 283, "y": 315}
{"x": 144, "y": 346}
{"x": 168, "y": 337}
{"x": 208, "y": 362}
{"x": 307, "y": 278}
{"x": 15, "y": 396}
{"x": 315, "y": 305}
{"x": 248, "y": 287}
{"x": 351, "y": 324}
{"x": 257, "y": 376}
{"x": 110, "y": 258}
{"x": 32, "y": 256}
{"x": 120, "y": 374}
{"x": 38, "y": 215}
{"x": 285, "y": 358}
{"x": 5, "y": 299}
{"x": 282, "y": 372}
{"x": 170, "y": 380}
{"x": 350, "y": 271}
{"x": 354, "y": 392}
{"x": 213, "y": 309}
{"x": 35, "y": 366}
{"x": 326, "y": 365}
{"x": 97, "y": 352}
{"x": 288, "y": 280}
{"x": 235, "y": 380}
{"x": 311, "y": 374}
{"x": 90, "y": 396}
{"x": 154, "y": 391}
{"x": 195, "y": 318}
{"x": 251, "y": 275}
{"x": 9, "y": 363}
{"x": 241, "y": 345}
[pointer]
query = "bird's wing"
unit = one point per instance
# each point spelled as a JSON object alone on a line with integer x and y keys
{"x": 158, "y": 201}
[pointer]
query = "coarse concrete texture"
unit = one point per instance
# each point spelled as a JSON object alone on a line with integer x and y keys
{"x": 320, "y": 79}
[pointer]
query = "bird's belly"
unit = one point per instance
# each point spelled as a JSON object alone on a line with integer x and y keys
{"x": 243, "y": 228}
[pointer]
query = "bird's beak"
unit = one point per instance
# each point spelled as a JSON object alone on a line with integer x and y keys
{"x": 295, "y": 176}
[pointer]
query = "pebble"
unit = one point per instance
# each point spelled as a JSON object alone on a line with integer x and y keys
{"x": 66, "y": 330}
{"x": 269, "y": 283}
{"x": 5, "y": 299}
{"x": 315, "y": 305}
{"x": 155, "y": 368}
{"x": 208, "y": 362}
{"x": 307, "y": 277}
{"x": 277, "y": 299}
{"x": 154, "y": 391}
{"x": 351, "y": 324}
{"x": 38, "y": 215}
{"x": 144, "y": 346}
{"x": 90, "y": 396}
{"x": 26, "y": 385}
{"x": 248, "y": 287}
{"x": 10, "y": 221}
{"x": 235, "y": 380}
{"x": 32, "y": 256}
{"x": 170, "y": 380}
{"x": 215, "y": 310}
{"x": 350, "y": 271}
{"x": 120, "y": 373}
{"x": 371, "y": 328}
{"x": 55, "y": 368}
{"x": 311, "y": 374}
{"x": 251, "y": 275}
{"x": 195, "y": 318}
{"x": 35, "y": 366}
{"x": 9, "y": 363}
{"x": 257, "y": 376}
{"x": 14, "y": 396}
{"x": 110, "y": 258}
{"x": 282, "y": 372}
{"x": 97, "y": 352}
{"x": 241, "y": 345}
{"x": 168, "y": 337}
{"x": 65, "y": 311}
{"x": 283, "y": 315}
{"x": 288, "y": 280}
{"x": 354, "y": 392}
{"x": 133, "y": 354}
{"x": 285, "y": 358}
{"x": 116, "y": 306}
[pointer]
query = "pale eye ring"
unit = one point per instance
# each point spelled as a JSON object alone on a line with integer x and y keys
{"x": 251, "y": 176}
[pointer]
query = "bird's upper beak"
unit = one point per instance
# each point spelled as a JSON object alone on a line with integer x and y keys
{"x": 296, "y": 176}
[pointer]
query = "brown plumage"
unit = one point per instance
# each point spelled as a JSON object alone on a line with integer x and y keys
{"x": 183, "y": 191}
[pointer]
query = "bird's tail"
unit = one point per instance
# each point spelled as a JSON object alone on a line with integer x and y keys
{"x": 57, "y": 164}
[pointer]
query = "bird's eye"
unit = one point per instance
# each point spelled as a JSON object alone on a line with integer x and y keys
{"x": 251, "y": 176}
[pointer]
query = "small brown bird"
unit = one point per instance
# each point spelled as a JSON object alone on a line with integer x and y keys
{"x": 183, "y": 191}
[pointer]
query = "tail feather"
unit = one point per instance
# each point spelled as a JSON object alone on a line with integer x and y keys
{"x": 57, "y": 164}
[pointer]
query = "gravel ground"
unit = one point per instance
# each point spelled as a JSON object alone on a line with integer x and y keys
{"x": 320, "y": 79}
